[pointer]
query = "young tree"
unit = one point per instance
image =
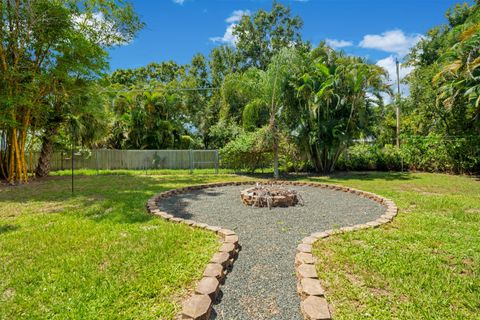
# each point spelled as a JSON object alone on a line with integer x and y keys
{"x": 274, "y": 85}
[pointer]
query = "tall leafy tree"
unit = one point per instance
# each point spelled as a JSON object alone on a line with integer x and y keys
{"x": 196, "y": 95}
{"x": 445, "y": 90}
{"x": 260, "y": 36}
{"x": 43, "y": 44}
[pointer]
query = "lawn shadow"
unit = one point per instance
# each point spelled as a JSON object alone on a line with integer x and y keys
{"x": 343, "y": 175}
{"x": 8, "y": 228}
{"x": 122, "y": 198}
{"x": 102, "y": 198}
{"x": 178, "y": 205}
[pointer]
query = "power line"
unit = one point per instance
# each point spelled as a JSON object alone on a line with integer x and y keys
{"x": 161, "y": 90}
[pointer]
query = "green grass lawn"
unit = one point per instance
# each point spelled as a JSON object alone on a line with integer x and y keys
{"x": 98, "y": 254}
{"x": 424, "y": 265}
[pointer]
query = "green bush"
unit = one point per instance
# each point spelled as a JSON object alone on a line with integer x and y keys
{"x": 359, "y": 157}
{"x": 247, "y": 152}
{"x": 426, "y": 153}
{"x": 389, "y": 158}
{"x": 222, "y": 133}
{"x": 437, "y": 153}
{"x": 362, "y": 157}
{"x": 432, "y": 153}
{"x": 255, "y": 115}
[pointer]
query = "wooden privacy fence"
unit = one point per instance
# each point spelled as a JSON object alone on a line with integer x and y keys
{"x": 108, "y": 159}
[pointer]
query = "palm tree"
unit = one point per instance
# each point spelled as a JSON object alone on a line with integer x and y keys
{"x": 274, "y": 84}
{"x": 337, "y": 94}
{"x": 460, "y": 76}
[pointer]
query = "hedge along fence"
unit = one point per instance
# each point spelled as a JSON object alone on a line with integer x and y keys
{"x": 109, "y": 159}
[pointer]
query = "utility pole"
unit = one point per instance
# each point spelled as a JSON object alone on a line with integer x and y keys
{"x": 398, "y": 102}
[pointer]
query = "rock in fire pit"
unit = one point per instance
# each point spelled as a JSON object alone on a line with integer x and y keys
{"x": 270, "y": 196}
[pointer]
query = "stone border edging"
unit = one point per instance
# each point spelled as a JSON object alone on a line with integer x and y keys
{"x": 198, "y": 306}
{"x": 314, "y": 306}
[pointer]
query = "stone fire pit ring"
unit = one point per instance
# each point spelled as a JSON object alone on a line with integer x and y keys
{"x": 270, "y": 196}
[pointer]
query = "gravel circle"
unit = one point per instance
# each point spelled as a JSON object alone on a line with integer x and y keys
{"x": 262, "y": 284}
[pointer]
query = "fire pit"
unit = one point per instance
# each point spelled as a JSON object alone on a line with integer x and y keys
{"x": 270, "y": 196}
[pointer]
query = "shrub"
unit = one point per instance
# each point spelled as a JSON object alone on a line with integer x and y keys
{"x": 432, "y": 153}
{"x": 255, "y": 115}
{"x": 222, "y": 133}
{"x": 361, "y": 157}
{"x": 247, "y": 152}
{"x": 389, "y": 158}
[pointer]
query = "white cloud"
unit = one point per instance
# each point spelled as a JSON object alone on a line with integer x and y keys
{"x": 237, "y": 16}
{"x": 394, "y": 41}
{"x": 228, "y": 36}
{"x": 179, "y": 1}
{"x": 232, "y": 20}
{"x": 334, "y": 43}
{"x": 100, "y": 30}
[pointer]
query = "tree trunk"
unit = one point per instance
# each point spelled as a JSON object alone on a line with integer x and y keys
{"x": 275, "y": 160}
{"x": 43, "y": 166}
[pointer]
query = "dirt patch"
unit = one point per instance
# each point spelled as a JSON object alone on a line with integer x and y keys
{"x": 380, "y": 292}
{"x": 8, "y": 294}
{"x": 104, "y": 265}
{"x": 473, "y": 210}
{"x": 354, "y": 279}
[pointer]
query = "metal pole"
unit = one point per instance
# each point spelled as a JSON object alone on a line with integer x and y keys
{"x": 398, "y": 103}
{"x": 96, "y": 160}
{"x": 73, "y": 163}
{"x": 191, "y": 161}
{"x": 216, "y": 161}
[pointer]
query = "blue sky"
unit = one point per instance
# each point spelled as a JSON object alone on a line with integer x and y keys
{"x": 377, "y": 29}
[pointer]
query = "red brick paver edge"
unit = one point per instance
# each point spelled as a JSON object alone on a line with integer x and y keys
{"x": 314, "y": 306}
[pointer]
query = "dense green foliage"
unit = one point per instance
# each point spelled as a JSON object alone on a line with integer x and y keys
{"x": 51, "y": 53}
{"x": 270, "y": 82}
{"x": 445, "y": 93}
{"x": 337, "y": 94}
{"x": 248, "y": 151}
{"x": 322, "y": 101}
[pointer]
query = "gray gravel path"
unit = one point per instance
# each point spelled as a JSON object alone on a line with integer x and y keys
{"x": 262, "y": 284}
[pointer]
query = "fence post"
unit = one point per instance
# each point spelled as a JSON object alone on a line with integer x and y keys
{"x": 216, "y": 161}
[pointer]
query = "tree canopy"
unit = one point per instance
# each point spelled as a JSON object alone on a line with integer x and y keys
{"x": 268, "y": 100}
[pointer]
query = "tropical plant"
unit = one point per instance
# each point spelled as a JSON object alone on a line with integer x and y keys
{"x": 338, "y": 95}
